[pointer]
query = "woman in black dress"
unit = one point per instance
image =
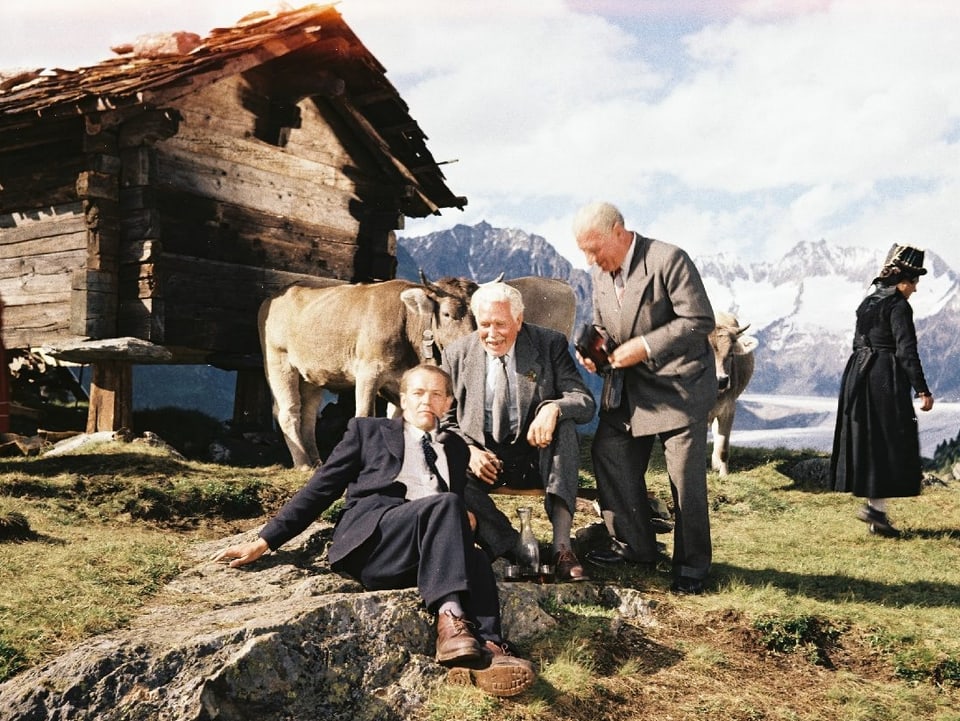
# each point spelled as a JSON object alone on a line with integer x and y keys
{"x": 876, "y": 446}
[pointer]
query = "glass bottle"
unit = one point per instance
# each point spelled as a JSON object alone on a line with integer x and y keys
{"x": 528, "y": 548}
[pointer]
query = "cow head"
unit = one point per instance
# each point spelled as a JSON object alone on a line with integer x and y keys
{"x": 728, "y": 342}
{"x": 443, "y": 308}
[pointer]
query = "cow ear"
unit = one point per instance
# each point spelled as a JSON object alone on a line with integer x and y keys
{"x": 417, "y": 300}
{"x": 746, "y": 345}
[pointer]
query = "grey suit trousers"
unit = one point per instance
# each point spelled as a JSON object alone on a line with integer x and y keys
{"x": 620, "y": 461}
{"x": 559, "y": 464}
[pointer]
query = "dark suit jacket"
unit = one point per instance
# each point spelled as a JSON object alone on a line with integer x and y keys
{"x": 546, "y": 372}
{"x": 365, "y": 465}
{"x": 665, "y": 302}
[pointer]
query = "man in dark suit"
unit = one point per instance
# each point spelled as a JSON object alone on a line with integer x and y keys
{"x": 404, "y": 524}
{"x": 526, "y": 435}
{"x": 650, "y": 298}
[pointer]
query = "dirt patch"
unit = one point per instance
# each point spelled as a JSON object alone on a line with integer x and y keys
{"x": 714, "y": 664}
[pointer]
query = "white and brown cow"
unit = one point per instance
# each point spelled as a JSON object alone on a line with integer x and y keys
{"x": 735, "y": 362}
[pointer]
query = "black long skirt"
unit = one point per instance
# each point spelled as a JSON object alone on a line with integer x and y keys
{"x": 876, "y": 444}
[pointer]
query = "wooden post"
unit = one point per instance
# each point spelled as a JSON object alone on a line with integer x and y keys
{"x": 4, "y": 382}
{"x": 252, "y": 402}
{"x": 111, "y": 397}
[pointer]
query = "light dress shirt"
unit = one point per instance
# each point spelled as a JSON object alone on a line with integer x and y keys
{"x": 414, "y": 473}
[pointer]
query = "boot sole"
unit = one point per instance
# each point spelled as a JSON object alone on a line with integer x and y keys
{"x": 497, "y": 680}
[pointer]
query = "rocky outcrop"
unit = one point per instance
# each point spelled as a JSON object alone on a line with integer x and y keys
{"x": 285, "y": 639}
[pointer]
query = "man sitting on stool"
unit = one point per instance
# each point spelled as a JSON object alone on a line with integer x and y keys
{"x": 518, "y": 398}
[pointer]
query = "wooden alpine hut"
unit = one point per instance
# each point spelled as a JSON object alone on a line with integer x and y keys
{"x": 149, "y": 203}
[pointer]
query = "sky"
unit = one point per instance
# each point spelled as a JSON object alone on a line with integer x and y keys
{"x": 740, "y": 127}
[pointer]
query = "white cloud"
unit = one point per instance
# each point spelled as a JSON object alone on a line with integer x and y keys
{"x": 928, "y": 219}
{"x": 782, "y": 129}
{"x": 759, "y": 125}
{"x": 851, "y": 94}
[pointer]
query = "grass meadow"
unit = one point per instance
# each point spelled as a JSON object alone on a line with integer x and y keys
{"x": 807, "y": 616}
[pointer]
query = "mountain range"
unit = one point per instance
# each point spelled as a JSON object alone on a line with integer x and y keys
{"x": 801, "y": 308}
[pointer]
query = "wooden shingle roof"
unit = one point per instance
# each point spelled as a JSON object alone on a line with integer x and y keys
{"x": 326, "y": 53}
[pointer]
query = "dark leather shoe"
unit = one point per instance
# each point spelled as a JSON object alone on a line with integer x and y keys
{"x": 661, "y": 526}
{"x": 878, "y": 521}
{"x": 455, "y": 643}
{"x": 566, "y": 566}
{"x": 686, "y": 586}
{"x": 606, "y": 556}
{"x": 615, "y": 555}
{"x": 504, "y": 675}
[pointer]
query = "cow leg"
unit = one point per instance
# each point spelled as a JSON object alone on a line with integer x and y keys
{"x": 721, "y": 443}
{"x": 366, "y": 390}
{"x": 285, "y": 385}
{"x": 311, "y": 398}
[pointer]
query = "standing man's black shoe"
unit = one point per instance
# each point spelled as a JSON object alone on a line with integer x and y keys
{"x": 606, "y": 556}
{"x": 686, "y": 586}
{"x": 615, "y": 555}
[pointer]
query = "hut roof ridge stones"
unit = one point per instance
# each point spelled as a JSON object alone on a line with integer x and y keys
{"x": 151, "y": 73}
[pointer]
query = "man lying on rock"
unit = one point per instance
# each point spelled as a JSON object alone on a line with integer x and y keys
{"x": 404, "y": 524}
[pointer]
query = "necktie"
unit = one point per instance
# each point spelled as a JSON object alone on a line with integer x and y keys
{"x": 618, "y": 284}
{"x": 501, "y": 403}
{"x": 431, "y": 457}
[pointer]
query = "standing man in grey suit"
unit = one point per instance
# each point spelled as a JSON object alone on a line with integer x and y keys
{"x": 522, "y": 431}
{"x": 650, "y": 298}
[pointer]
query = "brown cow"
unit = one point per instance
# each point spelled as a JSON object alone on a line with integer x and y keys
{"x": 343, "y": 337}
{"x": 547, "y": 302}
{"x": 735, "y": 362}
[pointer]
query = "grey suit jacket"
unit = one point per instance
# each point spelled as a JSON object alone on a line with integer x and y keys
{"x": 665, "y": 302}
{"x": 546, "y": 372}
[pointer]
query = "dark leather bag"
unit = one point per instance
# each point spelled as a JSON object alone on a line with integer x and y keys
{"x": 594, "y": 342}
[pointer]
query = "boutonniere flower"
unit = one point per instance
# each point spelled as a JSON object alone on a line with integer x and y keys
{"x": 531, "y": 376}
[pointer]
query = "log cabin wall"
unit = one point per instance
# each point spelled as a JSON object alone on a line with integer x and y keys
{"x": 235, "y": 212}
{"x": 150, "y": 203}
{"x": 43, "y": 231}
{"x": 39, "y": 253}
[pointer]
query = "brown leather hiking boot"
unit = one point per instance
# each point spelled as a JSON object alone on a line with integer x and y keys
{"x": 504, "y": 675}
{"x": 455, "y": 642}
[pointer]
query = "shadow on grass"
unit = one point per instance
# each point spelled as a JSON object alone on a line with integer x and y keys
{"x": 839, "y": 587}
{"x": 122, "y": 464}
{"x": 930, "y": 534}
{"x": 136, "y": 486}
{"x": 34, "y": 537}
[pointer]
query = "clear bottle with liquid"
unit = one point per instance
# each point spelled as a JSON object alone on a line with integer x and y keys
{"x": 528, "y": 548}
